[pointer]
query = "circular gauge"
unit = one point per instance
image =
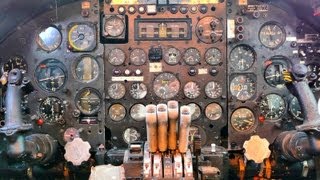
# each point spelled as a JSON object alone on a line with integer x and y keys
{"x": 242, "y": 120}
{"x": 116, "y": 90}
{"x": 243, "y": 87}
{"x": 314, "y": 76}
{"x": 51, "y": 75}
{"x": 138, "y": 57}
{"x": 242, "y": 57}
{"x": 295, "y": 109}
{"x": 138, "y": 90}
{"x": 16, "y": 62}
{"x": 274, "y": 74}
{"x": 191, "y": 90}
{"x": 131, "y": 135}
{"x": 273, "y": 106}
{"x": 117, "y": 112}
{"x": 213, "y": 111}
{"x": 172, "y": 56}
{"x": 49, "y": 39}
{"x": 195, "y": 111}
{"x": 138, "y": 112}
{"x": 213, "y": 90}
{"x": 192, "y": 56}
{"x": 87, "y": 69}
{"x": 116, "y": 57}
{"x": 195, "y": 130}
{"x": 88, "y": 101}
{"x": 209, "y": 29}
{"x": 213, "y": 56}
{"x": 82, "y": 37}
{"x": 272, "y": 35}
{"x": 166, "y": 85}
{"x": 114, "y": 26}
{"x": 52, "y": 110}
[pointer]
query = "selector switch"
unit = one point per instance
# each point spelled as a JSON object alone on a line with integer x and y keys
{"x": 213, "y": 71}
{"x": 192, "y": 71}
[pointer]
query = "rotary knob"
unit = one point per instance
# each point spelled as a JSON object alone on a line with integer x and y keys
{"x": 257, "y": 149}
{"x": 77, "y": 151}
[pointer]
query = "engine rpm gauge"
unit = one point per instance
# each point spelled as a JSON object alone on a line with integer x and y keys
{"x": 116, "y": 90}
{"x": 242, "y": 120}
{"x": 213, "y": 90}
{"x": 49, "y": 39}
{"x": 273, "y": 106}
{"x": 88, "y": 101}
{"x": 117, "y": 112}
{"x": 243, "y": 87}
{"x": 52, "y": 110}
{"x": 82, "y": 37}
{"x": 172, "y": 56}
{"x": 138, "y": 112}
{"x": 195, "y": 111}
{"x": 114, "y": 26}
{"x": 192, "y": 56}
{"x": 314, "y": 76}
{"x": 116, "y": 57}
{"x": 213, "y": 111}
{"x": 242, "y": 57}
{"x": 15, "y": 62}
{"x": 87, "y": 69}
{"x": 213, "y": 56}
{"x": 131, "y": 135}
{"x": 138, "y": 57}
{"x": 295, "y": 109}
{"x": 166, "y": 85}
{"x": 272, "y": 35}
{"x": 274, "y": 74}
{"x": 51, "y": 75}
{"x": 138, "y": 90}
{"x": 191, "y": 90}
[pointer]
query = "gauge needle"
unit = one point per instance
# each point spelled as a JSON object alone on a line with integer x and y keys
{"x": 50, "y": 78}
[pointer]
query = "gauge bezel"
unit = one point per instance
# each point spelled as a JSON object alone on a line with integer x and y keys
{"x": 71, "y": 45}
{"x": 252, "y": 128}
{"x": 125, "y": 112}
{"x": 284, "y": 111}
{"x": 42, "y": 30}
{"x": 112, "y": 97}
{"x": 166, "y": 52}
{"x": 184, "y": 56}
{"x": 40, "y": 111}
{"x": 157, "y": 75}
{"x": 106, "y": 31}
{"x": 124, "y": 60}
{"x": 216, "y": 82}
{"x": 250, "y": 75}
{"x": 312, "y": 82}
{"x": 215, "y": 119}
{"x": 283, "y": 30}
{"x": 199, "y": 89}
{"x": 144, "y": 53}
{"x": 200, "y": 108}
{"x": 78, "y": 95}
{"x": 141, "y": 84}
{"x": 130, "y": 112}
{"x": 76, "y": 63}
{"x": 210, "y": 49}
{"x": 290, "y": 109}
{"x": 235, "y": 66}
{"x": 277, "y": 59}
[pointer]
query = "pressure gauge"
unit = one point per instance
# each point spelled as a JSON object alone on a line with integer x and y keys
{"x": 191, "y": 90}
{"x": 138, "y": 112}
{"x": 131, "y": 135}
{"x": 166, "y": 85}
{"x": 273, "y": 106}
{"x": 272, "y": 35}
{"x": 242, "y": 120}
{"x": 138, "y": 90}
{"x": 88, "y": 101}
{"x": 213, "y": 90}
{"x": 116, "y": 90}
{"x": 15, "y": 62}
{"x": 242, "y": 57}
{"x": 49, "y": 39}
{"x": 116, "y": 57}
{"x": 192, "y": 56}
{"x": 82, "y": 37}
{"x": 52, "y": 110}
{"x": 172, "y": 56}
{"x": 213, "y": 111}
{"x": 114, "y": 26}
{"x": 138, "y": 57}
{"x": 117, "y": 112}
{"x": 213, "y": 56}
{"x": 87, "y": 69}
{"x": 243, "y": 87}
{"x": 195, "y": 111}
{"x": 295, "y": 109}
{"x": 51, "y": 75}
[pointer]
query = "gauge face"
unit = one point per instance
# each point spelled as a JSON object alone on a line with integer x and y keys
{"x": 82, "y": 37}
{"x": 138, "y": 57}
{"x": 114, "y": 26}
{"x": 272, "y": 35}
{"x": 195, "y": 111}
{"x": 213, "y": 56}
{"x": 242, "y": 120}
{"x": 273, "y": 106}
{"x": 243, "y": 87}
{"x": 242, "y": 57}
{"x": 116, "y": 90}
{"x": 138, "y": 90}
{"x": 213, "y": 111}
{"x": 192, "y": 56}
{"x": 49, "y": 39}
{"x": 131, "y": 135}
{"x": 196, "y": 131}
{"x": 191, "y": 90}
{"x": 166, "y": 85}
{"x": 117, "y": 112}
{"x": 116, "y": 57}
{"x": 209, "y": 29}
{"x": 274, "y": 74}
{"x": 52, "y": 110}
{"x": 51, "y": 75}
{"x": 16, "y": 62}
{"x": 88, "y": 101}
{"x": 295, "y": 109}
{"x": 138, "y": 112}
{"x": 87, "y": 69}
{"x": 314, "y": 76}
{"x": 213, "y": 90}
{"x": 172, "y": 56}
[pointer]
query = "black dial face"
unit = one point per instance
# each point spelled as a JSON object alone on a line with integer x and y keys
{"x": 138, "y": 112}
{"x": 272, "y": 35}
{"x": 82, "y": 37}
{"x": 52, "y": 110}
{"x": 213, "y": 56}
{"x": 213, "y": 90}
{"x": 242, "y": 120}
{"x": 314, "y": 76}
{"x": 274, "y": 74}
{"x": 243, "y": 87}
{"x": 191, "y": 90}
{"x": 138, "y": 90}
{"x": 242, "y": 57}
{"x": 49, "y": 39}
{"x": 51, "y": 75}
{"x": 16, "y": 62}
{"x": 213, "y": 111}
{"x": 114, "y": 26}
{"x": 192, "y": 56}
{"x": 117, "y": 112}
{"x": 87, "y": 69}
{"x": 138, "y": 57}
{"x": 273, "y": 107}
{"x": 116, "y": 90}
{"x": 88, "y": 101}
{"x": 172, "y": 56}
{"x": 116, "y": 57}
{"x": 166, "y": 85}
{"x": 131, "y": 135}
{"x": 295, "y": 109}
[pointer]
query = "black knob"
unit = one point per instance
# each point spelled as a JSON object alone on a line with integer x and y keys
{"x": 192, "y": 71}
{"x": 213, "y": 71}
